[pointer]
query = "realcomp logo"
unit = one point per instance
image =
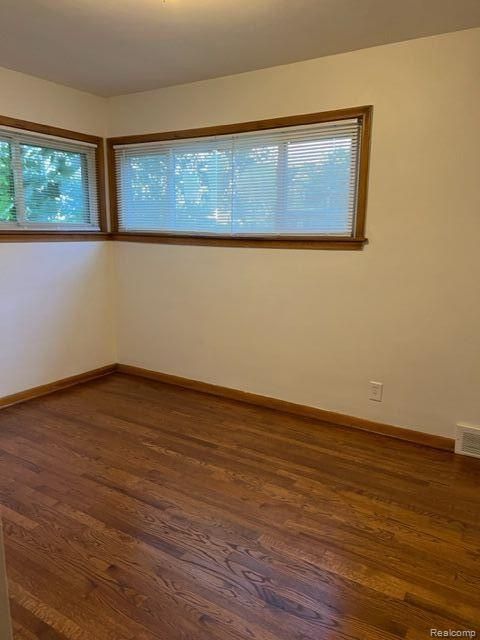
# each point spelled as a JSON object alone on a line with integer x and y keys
{"x": 452, "y": 633}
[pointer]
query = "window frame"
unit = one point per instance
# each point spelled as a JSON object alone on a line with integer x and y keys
{"x": 354, "y": 242}
{"x": 52, "y": 235}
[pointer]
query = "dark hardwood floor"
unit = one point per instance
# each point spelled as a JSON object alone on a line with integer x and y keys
{"x": 137, "y": 511}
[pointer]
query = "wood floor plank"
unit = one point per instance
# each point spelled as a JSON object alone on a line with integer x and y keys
{"x": 135, "y": 510}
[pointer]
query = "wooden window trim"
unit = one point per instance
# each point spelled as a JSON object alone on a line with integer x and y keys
{"x": 53, "y": 236}
{"x": 272, "y": 242}
{"x": 18, "y": 235}
{"x": 356, "y": 242}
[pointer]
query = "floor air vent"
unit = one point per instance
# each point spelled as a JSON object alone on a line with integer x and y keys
{"x": 467, "y": 441}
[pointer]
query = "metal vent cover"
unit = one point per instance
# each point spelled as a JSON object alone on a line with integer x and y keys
{"x": 467, "y": 441}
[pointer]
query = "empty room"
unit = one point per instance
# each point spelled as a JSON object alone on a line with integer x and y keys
{"x": 239, "y": 319}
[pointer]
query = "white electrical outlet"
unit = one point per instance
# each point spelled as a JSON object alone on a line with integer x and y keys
{"x": 376, "y": 391}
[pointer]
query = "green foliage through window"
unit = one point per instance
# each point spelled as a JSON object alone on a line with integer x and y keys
{"x": 43, "y": 185}
{"x": 55, "y": 185}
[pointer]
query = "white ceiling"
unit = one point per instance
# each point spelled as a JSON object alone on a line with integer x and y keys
{"x": 110, "y": 47}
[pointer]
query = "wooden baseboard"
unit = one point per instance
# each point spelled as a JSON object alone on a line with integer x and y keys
{"x": 45, "y": 389}
{"x": 417, "y": 437}
{"x": 332, "y": 417}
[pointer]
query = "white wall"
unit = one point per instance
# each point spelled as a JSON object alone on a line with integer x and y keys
{"x": 55, "y": 298}
{"x": 55, "y": 318}
{"x": 314, "y": 326}
{"x": 29, "y": 98}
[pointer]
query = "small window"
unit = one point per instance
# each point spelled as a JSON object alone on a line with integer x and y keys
{"x": 283, "y": 182}
{"x": 47, "y": 183}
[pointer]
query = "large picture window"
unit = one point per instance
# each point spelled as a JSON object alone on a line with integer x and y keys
{"x": 284, "y": 181}
{"x": 47, "y": 183}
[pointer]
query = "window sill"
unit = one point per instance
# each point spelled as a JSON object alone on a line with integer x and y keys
{"x": 335, "y": 244}
{"x": 52, "y": 236}
{"x": 338, "y": 243}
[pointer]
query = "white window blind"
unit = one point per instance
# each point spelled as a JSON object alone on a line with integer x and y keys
{"x": 46, "y": 182}
{"x": 291, "y": 181}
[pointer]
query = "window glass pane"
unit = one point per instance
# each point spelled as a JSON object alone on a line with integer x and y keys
{"x": 7, "y": 199}
{"x": 55, "y": 185}
{"x": 202, "y": 191}
{"x": 144, "y": 193}
{"x": 289, "y": 181}
{"x": 255, "y": 195}
{"x": 319, "y": 186}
